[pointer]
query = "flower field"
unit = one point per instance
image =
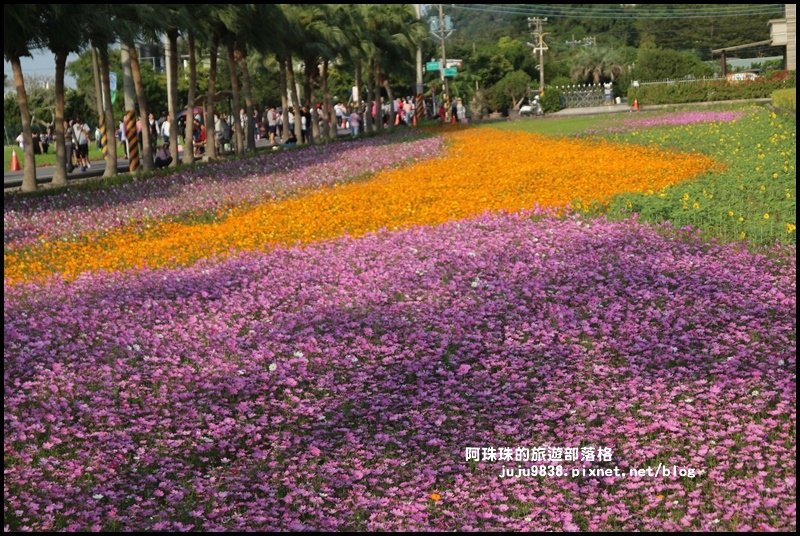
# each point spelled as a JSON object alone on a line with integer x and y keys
{"x": 427, "y": 334}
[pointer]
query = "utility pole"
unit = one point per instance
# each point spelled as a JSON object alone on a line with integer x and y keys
{"x": 441, "y": 27}
{"x": 420, "y": 86}
{"x": 444, "y": 54}
{"x": 539, "y": 47}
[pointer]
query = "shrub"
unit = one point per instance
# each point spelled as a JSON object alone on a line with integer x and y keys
{"x": 785, "y": 98}
{"x": 684, "y": 92}
{"x": 551, "y": 102}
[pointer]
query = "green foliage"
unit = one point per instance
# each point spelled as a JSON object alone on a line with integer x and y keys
{"x": 753, "y": 198}
{"x": 490, "y": 68}
{"x": 785, "y": 98}
{"x": 662, "y": 63}
{"x": 596, "y": 65}
{"x": 560, "y": 81}
{"x": 551, "y": 102}
{"x": 685, "y": 92}
{"x": 509, "y": 91}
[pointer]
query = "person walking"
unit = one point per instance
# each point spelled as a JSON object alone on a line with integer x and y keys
{"x": 461, "y": 111}
{"x": 165, "y": 128}
{"x": 355, "y": 122}
{"x": 272, "y": 125}
{"x": 81, "y": 135}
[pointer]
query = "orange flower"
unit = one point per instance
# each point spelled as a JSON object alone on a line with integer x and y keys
{"x": 482, "y": 171}
{"x": 435, "y": 496}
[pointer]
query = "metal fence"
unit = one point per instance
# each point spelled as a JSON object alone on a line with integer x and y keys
{"x": 582, "y": 95}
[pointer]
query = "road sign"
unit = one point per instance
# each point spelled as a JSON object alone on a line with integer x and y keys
{"x": 451, "y": 71}
{"x": 432, "y": 66}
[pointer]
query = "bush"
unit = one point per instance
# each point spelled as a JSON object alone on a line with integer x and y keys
{"x": 786, "y": 99}
{"x": 551, "y": 102}
{"x": 661, "y": 63}
{"x": 684, "y": 92}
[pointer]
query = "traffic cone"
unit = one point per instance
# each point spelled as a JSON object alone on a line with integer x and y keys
{"x": 635, "y": 105}
{"x": 14, "y": 161}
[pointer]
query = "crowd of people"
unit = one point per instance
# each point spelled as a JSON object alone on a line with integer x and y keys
{"x": 268, "y": 125}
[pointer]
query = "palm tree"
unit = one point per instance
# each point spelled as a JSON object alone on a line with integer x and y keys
{"x": 215, "y": 29}
{"x": 395, "y": 32}
{"x": 62, "y": 39}
{"x": 140, "y": 21}
{"x": 597, "y": 64}
{"x": 293, "y": 40}
{"x": 195, "y": 22}
{"x": 174, "y": 17}
{"x": 100, "y": 31}
{"x": 19, "y": 38}
{"x": 256, "y": 26}
{"x": 321, "y": 40}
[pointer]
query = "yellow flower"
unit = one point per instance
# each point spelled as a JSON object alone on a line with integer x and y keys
{"x": 774, "y": 175}
{"x": 766, "y": 216}
{"x": 790, "y": 227}
{"x": 742, "y": 235}
{"x": 696, "y": 205}
{"x": 730, "y": 213}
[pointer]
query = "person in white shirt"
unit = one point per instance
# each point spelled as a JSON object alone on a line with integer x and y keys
{"x": 165, "y": 128}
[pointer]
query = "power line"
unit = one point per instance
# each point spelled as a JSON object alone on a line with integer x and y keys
{"x": 629, "y": 14}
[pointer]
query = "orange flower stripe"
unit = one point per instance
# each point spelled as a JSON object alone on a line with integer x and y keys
{"x": 484, "y": 170}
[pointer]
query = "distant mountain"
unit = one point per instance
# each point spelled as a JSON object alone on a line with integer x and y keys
{"x": 695, "y": 27}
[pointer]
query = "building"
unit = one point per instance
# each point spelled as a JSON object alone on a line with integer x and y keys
{"x": 783, "y": 32}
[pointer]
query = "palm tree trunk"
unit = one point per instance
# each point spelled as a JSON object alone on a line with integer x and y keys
{"x": 29, "y": 171}
{"x": 173, "y": 101}
{"x": 211, "y": 130}
{"x": 369, "y": 120}
{"x": 105, "y": 134}
{"x": 295, "y": 99}
{"x": 144, "y": 113}
{"x": 326, "y": 126}
{"x": 111, "y": 153}
{"x": 60, "y": 172}
{"x": 237, "y": 123}
{"x": 390, "y": 98}
{"x": 308, "y": 89}
{"x": 188, "y": 142}
{"x": 284, "y": 99}
{"x": 98, "y": 84}
{"x": 248, "y": 99}
{"x": 376, "y": 69}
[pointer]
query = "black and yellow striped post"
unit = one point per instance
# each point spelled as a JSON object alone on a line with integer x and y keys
{"x": 103, "y": 136}
{"x": 132, "y": 135}
{"x": 419, "y": 110}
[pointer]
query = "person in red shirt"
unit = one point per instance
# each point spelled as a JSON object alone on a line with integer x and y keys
{"x": 200, "y": 142}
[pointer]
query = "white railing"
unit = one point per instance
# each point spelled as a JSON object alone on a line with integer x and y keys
{"x": 703, "y": 79}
